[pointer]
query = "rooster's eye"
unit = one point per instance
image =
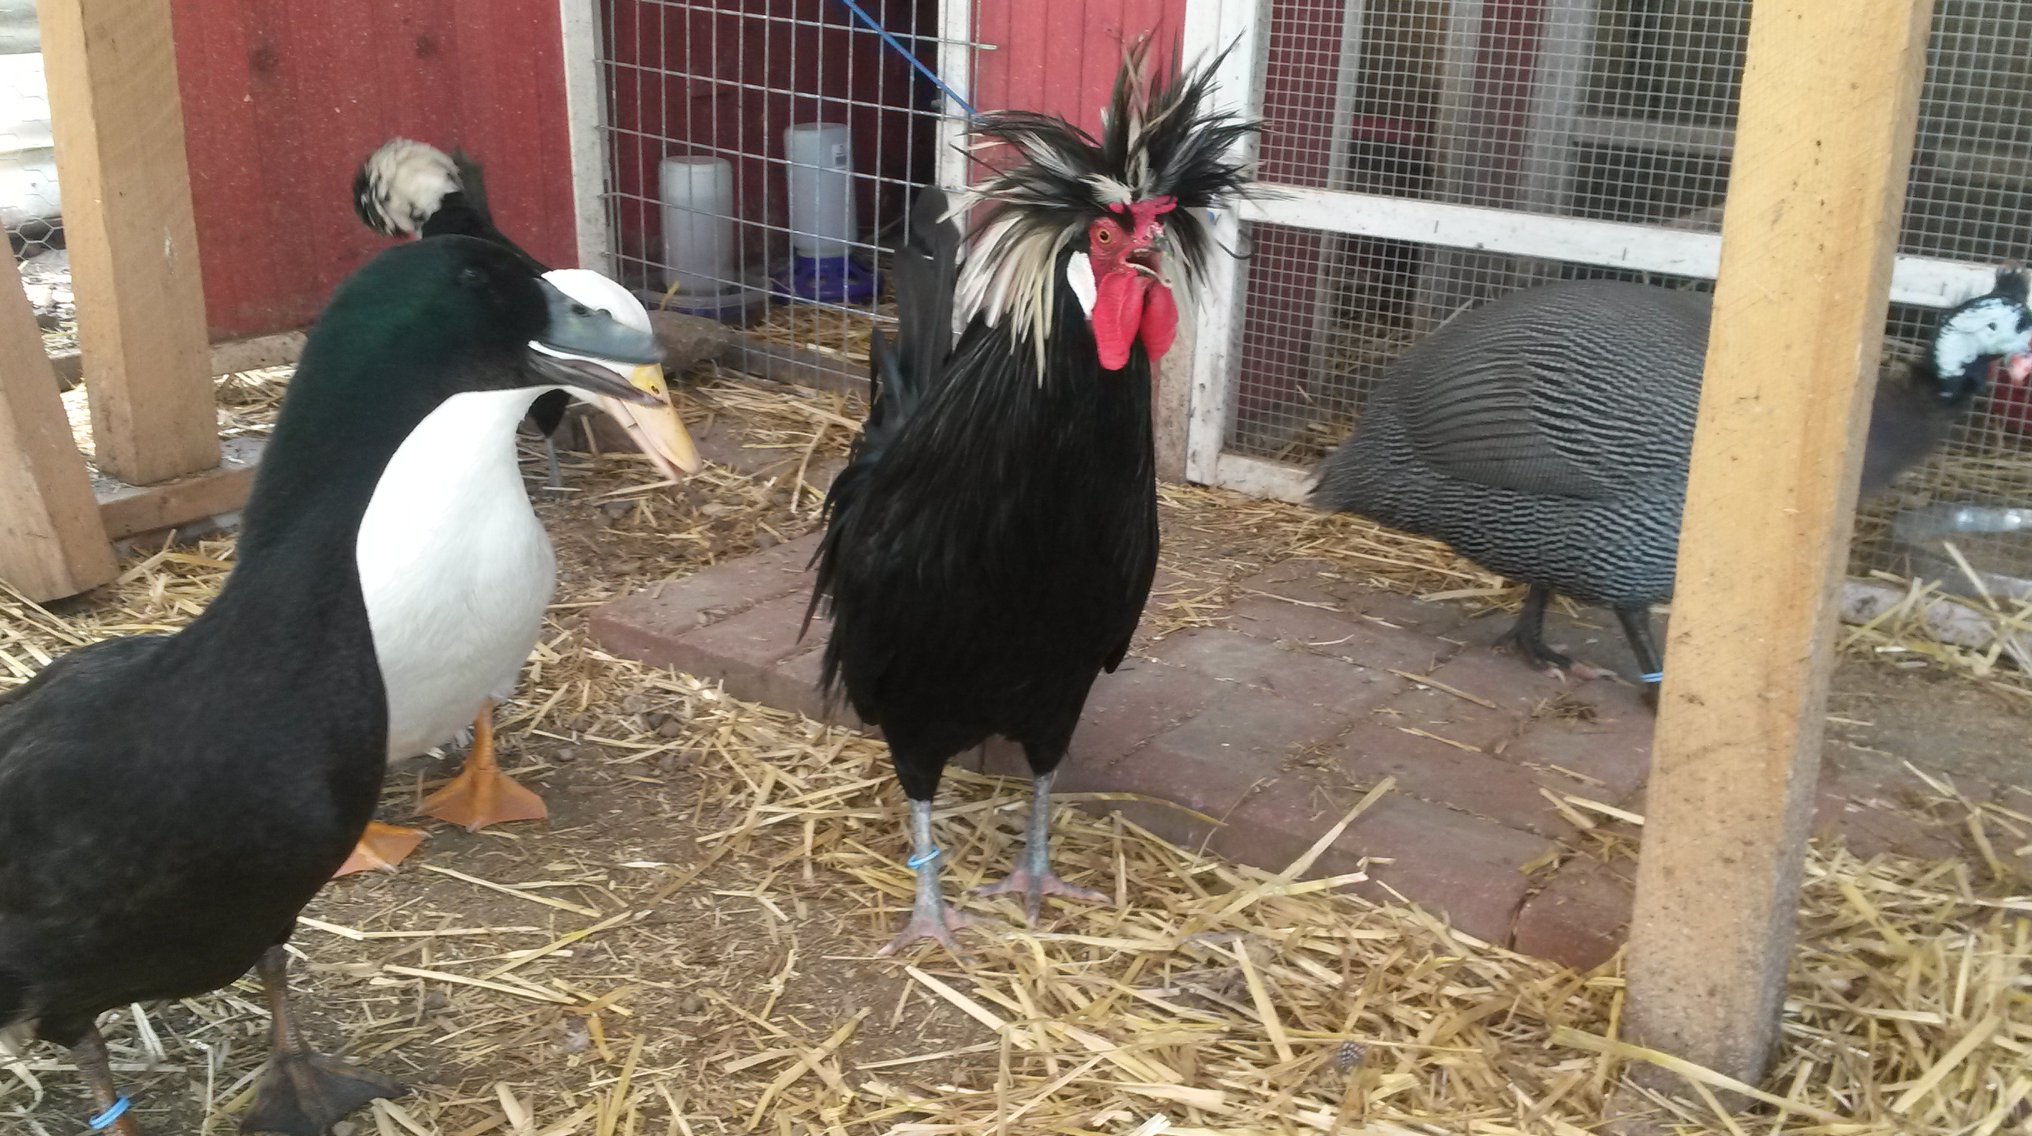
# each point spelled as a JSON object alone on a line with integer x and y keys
{"x": 1104, "y": 236}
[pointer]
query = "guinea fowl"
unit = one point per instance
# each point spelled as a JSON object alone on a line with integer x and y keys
{"x": 991, "y": 543}
{"x": 1546, "y": 436}
{"x": 456, "y": 646}
{"x": 168, "y": 804}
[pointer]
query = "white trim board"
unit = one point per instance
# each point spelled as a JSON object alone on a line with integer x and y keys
{"x": 1211, "y": 26}
{"x": 584, "y": 102}
{"x": 1925, "y": 281}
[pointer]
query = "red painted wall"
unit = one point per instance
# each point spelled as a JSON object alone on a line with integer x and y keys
{"x": 1061, "y": 56}
{"x": 281, "y": 100}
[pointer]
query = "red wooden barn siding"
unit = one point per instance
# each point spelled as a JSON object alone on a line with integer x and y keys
{"x": 1058, "y": 56}
{"x": 281, "y": 100}
{"x": 1061, "y": 56}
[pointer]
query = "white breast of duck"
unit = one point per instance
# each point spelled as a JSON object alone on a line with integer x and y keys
{"x": 455, "y": 567}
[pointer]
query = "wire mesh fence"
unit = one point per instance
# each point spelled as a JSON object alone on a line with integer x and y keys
{"x": 763, "y": 154}
{"x": 1619, "y": 110}
{"x": 31, "y": 204}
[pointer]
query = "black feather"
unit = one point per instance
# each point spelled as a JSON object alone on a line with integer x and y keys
{"x": 169, "y": 803}
{"x": 991, "y": 544}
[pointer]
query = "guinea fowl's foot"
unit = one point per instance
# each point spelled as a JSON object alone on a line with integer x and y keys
{"x": 1537, "y": 652}
{"x": 1034, "y": 887}
{"x": 305, "y": 1094}
{"x": 937, "y": 923}
{"x": 481, "y": 794}
{"x": 380, "y": 849}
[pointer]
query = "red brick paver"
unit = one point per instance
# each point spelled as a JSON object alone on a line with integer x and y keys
{"x": 1254, "y": 736}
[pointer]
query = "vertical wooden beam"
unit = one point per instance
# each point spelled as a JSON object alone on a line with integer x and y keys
{"x": 51, "y": 541}
{"x": 127, "y": 220}
{"x": 1823, "y": 143}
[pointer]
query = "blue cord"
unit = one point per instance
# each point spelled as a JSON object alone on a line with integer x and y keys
{"x": 1653, "y": 677}
{"x": 896, "y": 45}
{"x": 923, "y": 858}
{"x": 107, "y": 1118}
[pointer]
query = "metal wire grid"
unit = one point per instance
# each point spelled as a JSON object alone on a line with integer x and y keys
{"x": 722, "y": 79}
{"x": 1611, "y": 109}
{"x": 31, "y": 206}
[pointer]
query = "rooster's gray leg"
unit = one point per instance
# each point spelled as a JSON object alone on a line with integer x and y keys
{"x": 930, "y": 918}
{"x": 1033, "y": 876}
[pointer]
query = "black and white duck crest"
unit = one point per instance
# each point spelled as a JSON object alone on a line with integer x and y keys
{"x": 1162, "y": 143}
{"x": 402, "y": 184}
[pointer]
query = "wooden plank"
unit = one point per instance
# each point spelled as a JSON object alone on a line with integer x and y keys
{"x": 133, "y": 245}
{"x": 585, "y": 114}
{"x": 1824, "y": 138}
{"x": 130, "y": 510}
{"x": 1211, "y": 26}
{"x": 229, "y": 358}
{"x": 51, "y": 543}
{"x": 1922, "y": 280}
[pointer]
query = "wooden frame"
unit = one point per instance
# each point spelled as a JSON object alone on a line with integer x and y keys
{"x": 1823, "y": 142}
{"x": 585, "y": 113}
{"x": 51, "y": 541}
{"x": 118, "y": 119}
{"x": 1211, "y": 26}
{"x": 144, "y": 355}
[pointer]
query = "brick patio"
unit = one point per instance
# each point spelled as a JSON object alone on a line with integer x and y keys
{"x": 1277, "y": 720}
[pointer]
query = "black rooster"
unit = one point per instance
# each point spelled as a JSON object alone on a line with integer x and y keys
{"x": 991, "y": 543}
{"x": 409, "y": 188}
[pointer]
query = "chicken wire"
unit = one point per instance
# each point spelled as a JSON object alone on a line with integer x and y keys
{"x": 1618, "y": 110}
{"x": 722, "y": 80}
{"x": 31, "y": 207}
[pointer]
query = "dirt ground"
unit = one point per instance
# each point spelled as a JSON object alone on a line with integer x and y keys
{"x": 686, "y": 946}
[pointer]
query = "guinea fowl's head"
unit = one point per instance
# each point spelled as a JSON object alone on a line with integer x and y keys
{"x": 1980, "y": 335}
{"x": 1119, "y": 220}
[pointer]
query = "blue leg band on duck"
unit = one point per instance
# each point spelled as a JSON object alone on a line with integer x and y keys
{"x": 112, "y": 1114}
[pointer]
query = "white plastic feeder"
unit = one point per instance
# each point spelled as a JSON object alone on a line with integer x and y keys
{"x": 698, "y": 241}
{"x": 821, "y": 183}
{"x": 698, "y": 224}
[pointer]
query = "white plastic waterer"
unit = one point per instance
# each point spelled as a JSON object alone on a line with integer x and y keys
{"x": 698, "y": 224}
{"x": 698, "y": 241}
{"x": 820, "y": 176}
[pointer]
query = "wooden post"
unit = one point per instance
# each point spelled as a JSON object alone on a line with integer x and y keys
{"x": 1823, "y": 143}
{"x": 51, "y": 541}
{"x": 118, "y": 123}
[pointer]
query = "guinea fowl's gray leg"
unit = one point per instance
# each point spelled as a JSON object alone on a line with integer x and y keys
{"x": 1637, "y": 626}
{"x": 1033, "y": 876}
{"x": 930, "y": 918}
{"x": 90, "y": 1055}
{"x": 1528, "y": 636}
{"x": 303, "y": 1092}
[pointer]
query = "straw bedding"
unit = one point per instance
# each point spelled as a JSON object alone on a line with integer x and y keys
{"x": 686, "y": 949}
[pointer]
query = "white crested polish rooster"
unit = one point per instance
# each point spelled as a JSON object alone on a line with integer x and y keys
{"x": 990, "y": 545}
{"x": 455, "y": 646}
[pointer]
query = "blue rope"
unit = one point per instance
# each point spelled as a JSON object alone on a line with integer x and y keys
{"x": 922, "y": 858}
{"x": 107, "y": 1118}
{"x": 1653, "y": 677}
{"x": 896, "y": 45}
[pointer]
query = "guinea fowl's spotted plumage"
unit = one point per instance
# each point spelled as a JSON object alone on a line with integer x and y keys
{"x": 1544, "y": 436}
{"x": 1547, "y": 435}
